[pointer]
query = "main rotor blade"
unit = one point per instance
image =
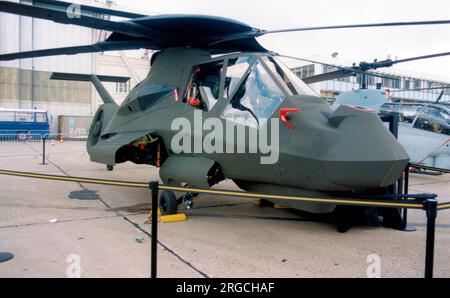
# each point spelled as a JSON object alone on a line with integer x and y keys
{"x": 94, "y": 48}
{"x": 61, "y": 76}
{"x": 329, "y": 76}
{"x": 87, "y": 9}
{"x": 392, "y": 24}
{"x": 340, "y": 73}
{"x": 422, "y": 89}
{"x": 421, "y": 57}
{"x": 61, "y": 15}
{"x": 256, "y": 33}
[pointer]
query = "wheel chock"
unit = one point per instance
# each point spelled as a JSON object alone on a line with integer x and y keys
{"x": 278, "y": 206}
{"x": 263, "y": 203}
{"x": 149, "y": 219}
{"x": 159, "y": 214}
{"x": 172, "y": 218}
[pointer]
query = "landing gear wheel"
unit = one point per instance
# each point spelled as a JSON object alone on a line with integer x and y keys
{"x": 109, "y": 168}
{"x": 265, "y": 203}
{"x": 168, "y": 203}
{"x": 188, "y": 200}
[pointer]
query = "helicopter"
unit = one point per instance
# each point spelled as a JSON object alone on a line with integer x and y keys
{"x": 213, "y": 69}
{"x": 424, "y": 128}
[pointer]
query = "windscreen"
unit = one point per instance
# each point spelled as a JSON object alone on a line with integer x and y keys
{"x": 291, "y": 81}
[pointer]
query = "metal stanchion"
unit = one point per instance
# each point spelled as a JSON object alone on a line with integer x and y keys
{"x": 393, "y": 124}
{"x": 430, "y": 207}
{"x": 43, "y": 150}
{"x": 407, "y": 228}
{"x": 154, "y": 186}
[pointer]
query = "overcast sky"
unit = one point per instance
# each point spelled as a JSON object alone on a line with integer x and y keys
{"x": 351, "y": 44}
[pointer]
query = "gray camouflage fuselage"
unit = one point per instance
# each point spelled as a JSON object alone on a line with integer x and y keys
{"x": 342, "y": 151}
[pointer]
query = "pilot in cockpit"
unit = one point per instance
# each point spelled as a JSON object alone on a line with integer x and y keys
{"x": 203, "y": 89}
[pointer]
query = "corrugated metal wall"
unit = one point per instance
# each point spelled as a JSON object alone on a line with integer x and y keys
{"x": 20, "y": 87}
{"x": 44, "y": 89}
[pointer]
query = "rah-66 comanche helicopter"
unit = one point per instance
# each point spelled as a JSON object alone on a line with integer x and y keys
{"x": 320, "y": 151}
{"x": 424, "y": 128}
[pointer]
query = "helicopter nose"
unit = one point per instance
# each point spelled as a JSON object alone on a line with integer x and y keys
{"x": 366, "y": 155}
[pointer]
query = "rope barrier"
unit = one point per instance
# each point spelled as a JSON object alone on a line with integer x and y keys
{"x": 424, "y": 202}
{"x": 389, "y": 203}
{"x": 422, "y": 167}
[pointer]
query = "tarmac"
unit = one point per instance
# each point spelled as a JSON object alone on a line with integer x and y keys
{"x": 47, "y": 225}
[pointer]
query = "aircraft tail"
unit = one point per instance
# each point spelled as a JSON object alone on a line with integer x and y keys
{"x": 96, "y": 80}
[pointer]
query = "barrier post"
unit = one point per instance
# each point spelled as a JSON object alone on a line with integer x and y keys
{"x": 154, "y": 186}
{"x": 393, "y": 124}
{"x": 430, "y": 207}
{"x": 44, "y": 137}
{"x": 406, "y": 192}
{"x": 407, "y": 228}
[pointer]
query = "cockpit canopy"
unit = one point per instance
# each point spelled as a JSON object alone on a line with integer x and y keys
{"x": 255, "y": 84}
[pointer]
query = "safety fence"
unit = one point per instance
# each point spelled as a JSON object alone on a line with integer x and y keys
{"x": 41, "y": 143}
{"x": 40, "y": 137}
{"x": 426, "y": 202}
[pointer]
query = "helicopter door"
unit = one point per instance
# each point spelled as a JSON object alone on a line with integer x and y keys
{"x": 254, "y": 94}
{"x": 203, "y": 90}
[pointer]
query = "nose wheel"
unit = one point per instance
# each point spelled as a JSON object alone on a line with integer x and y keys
{"x": 188, "y": 200}
{"x": 168, "y": 202}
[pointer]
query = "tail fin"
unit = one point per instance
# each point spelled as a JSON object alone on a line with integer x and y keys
{"x": 96, "y": 80}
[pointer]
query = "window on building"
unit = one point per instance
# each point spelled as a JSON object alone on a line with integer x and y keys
{"x": 344, "y": 79}
{"x": 310, "y": 70}
{"x": 396, "y": 83}
{"x": 417, "y": 84}
{"x": 447, "y": 89}
{"x": 370, "y": 80}
{"x": 305, "y": 71}
{"x": 123, "y": 87}
{"x": 406, "y": 84}
{"x": 387, "y": 82}
{"x": 285, "y": 77}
